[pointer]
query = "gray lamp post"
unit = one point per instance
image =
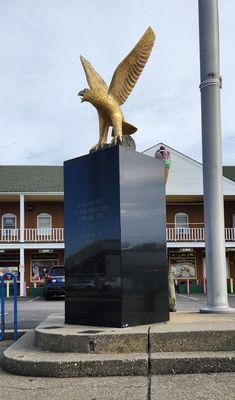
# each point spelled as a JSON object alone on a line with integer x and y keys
{"x": 217, "y": 298}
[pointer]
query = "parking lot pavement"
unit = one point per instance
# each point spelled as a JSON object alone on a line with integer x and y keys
{"x": 31, "y": 311}
{"x": 195, "y": 301}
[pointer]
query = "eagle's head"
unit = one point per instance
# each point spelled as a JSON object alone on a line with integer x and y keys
{"x": 84, "y": 94}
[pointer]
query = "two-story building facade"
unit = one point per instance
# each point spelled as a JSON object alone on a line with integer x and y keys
{"x": 32, "y": 220}
{"x": 185, "y": 217}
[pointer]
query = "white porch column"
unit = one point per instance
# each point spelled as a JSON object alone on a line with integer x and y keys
{"x": 22, "y": 290}
{"x": 21, "y": 217}
{"x": 22, "y": 286}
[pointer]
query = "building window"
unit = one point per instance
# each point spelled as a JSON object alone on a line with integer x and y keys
{"x": 44, "y": 224}
{"x": 181, "y": 221}
{"x": 9, "y": 221}
{"x": 9, "y": 231}
{"x": 181, "y": 226}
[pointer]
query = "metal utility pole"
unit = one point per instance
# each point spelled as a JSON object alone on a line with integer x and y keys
{"x": 217, "y": 297}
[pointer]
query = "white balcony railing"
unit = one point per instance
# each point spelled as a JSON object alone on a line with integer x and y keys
{"x": 44, "y": 235}
{"x": 185, "y": 234}
{"x": 34, "y": 235}
{"x": 9, "y": 235}
{"x": 230, "y": 234}
{"x": 195, "y": 234}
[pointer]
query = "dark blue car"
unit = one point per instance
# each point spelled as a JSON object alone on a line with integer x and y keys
{"x": 55, "y": 282}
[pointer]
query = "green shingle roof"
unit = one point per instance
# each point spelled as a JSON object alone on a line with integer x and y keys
{"x": 38, "y": 178}
{"x": 229, "y": 172}
{"x": 31, "y": 178}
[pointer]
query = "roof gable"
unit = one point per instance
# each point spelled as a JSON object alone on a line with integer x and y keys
{"x": 186, "y": 175}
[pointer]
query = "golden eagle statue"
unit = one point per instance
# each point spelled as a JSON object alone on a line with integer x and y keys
{"x": 106, "y": 100}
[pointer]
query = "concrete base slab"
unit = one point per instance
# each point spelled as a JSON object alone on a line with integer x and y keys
{"x": 217, "y": 310}
{"x": 192, "y": 362}
{"x": 194, "y": 340}
{"x": 53, "y": 335}
{"x": 189, "y": 343}
{"x": 23, "y": 358}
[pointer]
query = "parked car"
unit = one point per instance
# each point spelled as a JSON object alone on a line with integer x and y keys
{"x": 55, "y": 282}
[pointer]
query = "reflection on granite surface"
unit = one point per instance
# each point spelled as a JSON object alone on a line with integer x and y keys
{"x": 115, "y": 244}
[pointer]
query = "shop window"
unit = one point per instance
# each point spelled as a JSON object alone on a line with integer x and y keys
{"x": 183, "y": 264}
{"x": 9, "y": 262}
{"x": 44, "y": 224}
{"x": 40, "y": 269}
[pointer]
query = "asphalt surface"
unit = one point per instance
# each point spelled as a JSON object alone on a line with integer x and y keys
{"x": 31, "y": 311}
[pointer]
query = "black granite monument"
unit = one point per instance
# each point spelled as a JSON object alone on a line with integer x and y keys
{"x": 115, "y": 239}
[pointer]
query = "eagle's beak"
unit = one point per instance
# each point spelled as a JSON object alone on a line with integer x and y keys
{"x": 81, "y": 94}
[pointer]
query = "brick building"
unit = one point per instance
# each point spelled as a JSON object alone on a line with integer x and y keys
{"x": 32, "y": 219}
{"x": 185, "y": 219}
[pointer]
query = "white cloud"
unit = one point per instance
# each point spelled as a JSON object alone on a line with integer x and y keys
{"x": 41, "y": 118}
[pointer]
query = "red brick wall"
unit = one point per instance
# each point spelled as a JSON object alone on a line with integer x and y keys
{"x": 229, "y": 210}
{"x": 194, "y": 211}
{"x": 10, "y": 208}
{"x": 56, "y": 209}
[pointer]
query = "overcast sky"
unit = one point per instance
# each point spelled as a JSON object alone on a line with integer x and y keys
{"x": 41, "y": 118}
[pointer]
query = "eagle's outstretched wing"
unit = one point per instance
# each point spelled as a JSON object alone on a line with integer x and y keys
{"x": 93, "y": 78}
{"x": 129, "y": 70}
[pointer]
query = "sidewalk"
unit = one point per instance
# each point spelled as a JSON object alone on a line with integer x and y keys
{"x": 167, "y": 387}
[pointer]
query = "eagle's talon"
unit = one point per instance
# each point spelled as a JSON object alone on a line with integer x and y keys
{"x": 96, "y": 147}
{"x": 116, "y": 140}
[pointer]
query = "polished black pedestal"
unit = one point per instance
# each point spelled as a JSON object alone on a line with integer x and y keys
{"x": 115, "y": 239}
